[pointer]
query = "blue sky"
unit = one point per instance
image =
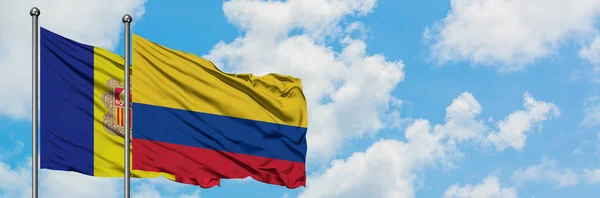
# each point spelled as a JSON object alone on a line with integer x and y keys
{"x": 406, "y": 99}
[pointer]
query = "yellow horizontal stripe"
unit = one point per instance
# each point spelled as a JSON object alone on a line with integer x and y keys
{"x": 109, "y": 147}
{"x": 170, "y": 78}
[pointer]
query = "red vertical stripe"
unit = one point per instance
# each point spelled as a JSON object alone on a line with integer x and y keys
{"x": 122, "y": 116}
{"x": 117, "y": 116}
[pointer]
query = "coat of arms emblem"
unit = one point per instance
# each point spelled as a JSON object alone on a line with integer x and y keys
{"x": 114, "y": 101}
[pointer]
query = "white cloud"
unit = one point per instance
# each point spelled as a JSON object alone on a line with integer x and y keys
{"x": 388, "y": 168}
{"x": 275, "y": 18}
{"x": 488, "y": 188}
{"x": 591, "y": 109}
{"x": 510, "y": 33}
{"x": 394, "y": 119}
{"x": 16, "y": 182}
{"x": 347, "y": 91}
{"x": 591, "y": 176}
{"x": 71, "y": 184}
{"x": 514, "y": 128}
{"x": 547, "y": 171}
{"x": 592, "y": 54}
{"x": 460, "y": 118}
{"x": 92, "y": 22}
{"x": 384, "y": 170}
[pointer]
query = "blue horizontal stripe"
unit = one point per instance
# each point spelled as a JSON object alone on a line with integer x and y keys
{"x": 217, "y": 132}
{"x": 66, "y": 104}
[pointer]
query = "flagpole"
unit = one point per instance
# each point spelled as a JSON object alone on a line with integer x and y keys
{"x": 35, "y": 13}
{"x": 127, "y": 22}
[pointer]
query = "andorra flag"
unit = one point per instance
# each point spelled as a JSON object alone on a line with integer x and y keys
{"x": 82, "y": 110}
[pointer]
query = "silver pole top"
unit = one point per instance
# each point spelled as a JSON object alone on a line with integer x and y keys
{"x": 127, "y": 18}
{"x": 34, "y": 11}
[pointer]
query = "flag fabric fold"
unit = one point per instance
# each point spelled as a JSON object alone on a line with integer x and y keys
{"x": 193, "y": 120}
{"x": 82, "y": 110}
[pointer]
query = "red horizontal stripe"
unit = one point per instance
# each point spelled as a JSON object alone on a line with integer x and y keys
{"x": 202, "y": 164}
{"x": 204, "y": 183}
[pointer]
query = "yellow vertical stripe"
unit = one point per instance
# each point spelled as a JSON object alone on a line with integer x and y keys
{"x": 108, "y": 147}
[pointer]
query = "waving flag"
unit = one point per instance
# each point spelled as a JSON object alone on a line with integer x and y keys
{"x": 193, "y": 120}
{"x": 81, "y": 109}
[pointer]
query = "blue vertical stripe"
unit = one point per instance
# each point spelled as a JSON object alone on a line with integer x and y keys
{"x": 66, "y": 104}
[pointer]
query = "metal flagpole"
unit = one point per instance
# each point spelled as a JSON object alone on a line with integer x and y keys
{"x": 35, "y": 13}
{"x": 127, "y": 22}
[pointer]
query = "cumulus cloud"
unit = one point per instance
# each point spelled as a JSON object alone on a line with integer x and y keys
{"x": 16, "y": 182}
{"x": 547, "y": 171}
{"x": 510, "y": 34}
{"x": 488, "y": 188}
{"x": 92, "y": 22}
{"x": 388, "y": 167}
{"x": 514, "y": 128}
{"x": 461, "y": 123}
{"x": 348, "y": 91}
{"x": 276, "y": 18}
{"x": 384, "y": 170}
